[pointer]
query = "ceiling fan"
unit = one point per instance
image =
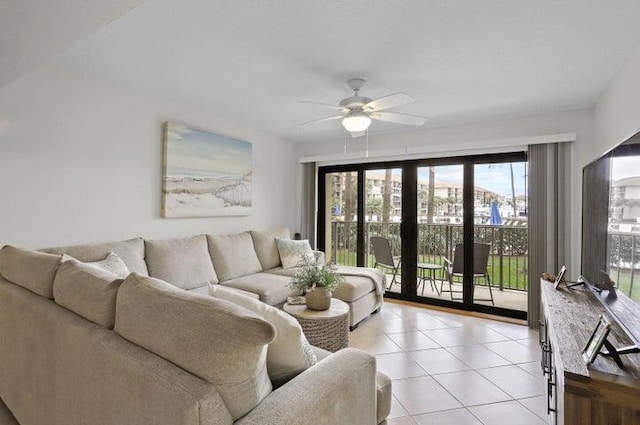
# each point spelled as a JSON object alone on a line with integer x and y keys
{"x": 356, "y": 112}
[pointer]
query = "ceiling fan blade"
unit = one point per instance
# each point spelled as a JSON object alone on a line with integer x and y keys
{"x": 335, "y": 117}
{"x": 387, "y": 102}
{"x": 356, "y": 134}
{"x": 335, "y": 107}
{"x": 399, "y": 118}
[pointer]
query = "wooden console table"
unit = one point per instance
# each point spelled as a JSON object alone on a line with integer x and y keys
{"x": 601, "y": 393}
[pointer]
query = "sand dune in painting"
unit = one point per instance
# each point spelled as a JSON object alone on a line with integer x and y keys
{"x": 197, "y": 197}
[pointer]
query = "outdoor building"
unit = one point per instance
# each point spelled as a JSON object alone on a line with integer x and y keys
{"x": 447, "y": 197}
{"x": 625, "y": 200}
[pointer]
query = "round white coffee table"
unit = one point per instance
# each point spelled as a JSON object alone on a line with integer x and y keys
{"x": 328, "y": 329}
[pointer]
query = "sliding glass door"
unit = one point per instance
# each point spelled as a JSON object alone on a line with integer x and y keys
{"x": 383, "y": 221}
{"x": 431, "y": 227}
{"x": 501, "y": 235}
{"x": 440, "y": 228}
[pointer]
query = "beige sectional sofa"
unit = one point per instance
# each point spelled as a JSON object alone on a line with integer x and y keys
{"x": 142, "y": 351}
{"x": 246, "y": 261}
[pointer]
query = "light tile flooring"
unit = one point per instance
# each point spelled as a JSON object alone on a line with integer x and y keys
{"x": 455, "y": 369}
{"x": 515, "y": 300}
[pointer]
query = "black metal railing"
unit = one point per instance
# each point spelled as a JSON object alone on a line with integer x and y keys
{"x": 624, "y": 262}
{"x": 508, "y": 256}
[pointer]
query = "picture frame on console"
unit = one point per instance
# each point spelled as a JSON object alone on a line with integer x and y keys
{"x": 560, "y": 277}
{"x": 597, "y": 339}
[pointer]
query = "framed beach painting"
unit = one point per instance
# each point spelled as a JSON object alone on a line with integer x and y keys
{"x": 205, "y": 174}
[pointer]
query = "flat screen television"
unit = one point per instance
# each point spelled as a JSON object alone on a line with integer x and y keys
{"x": 611, "y": 228}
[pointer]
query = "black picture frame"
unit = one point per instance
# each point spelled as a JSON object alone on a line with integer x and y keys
{"x": 598, "y": 336}
{"x": 559, "y": 277}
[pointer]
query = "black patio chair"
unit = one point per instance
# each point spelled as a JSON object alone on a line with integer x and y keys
{"x": 384, "y": 256}
{"x": 455, "y": 268}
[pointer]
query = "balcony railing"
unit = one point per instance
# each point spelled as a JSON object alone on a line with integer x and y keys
{"x": 508, "y": 259}
{"x": 509, "y": 250}
{"x": 624, "y": 262}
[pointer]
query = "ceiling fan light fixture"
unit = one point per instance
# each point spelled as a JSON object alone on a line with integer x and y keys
{"x": 356, "y": 122}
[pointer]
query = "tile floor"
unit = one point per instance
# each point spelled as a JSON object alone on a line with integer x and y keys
{"x": 453, "y": 369}
{"x": 516, "y": 300}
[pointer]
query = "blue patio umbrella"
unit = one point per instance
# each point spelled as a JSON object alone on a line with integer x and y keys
{"x": 494, "y": 215}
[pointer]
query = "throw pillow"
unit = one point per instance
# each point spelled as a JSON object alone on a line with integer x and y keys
{"x": 289, "y": 353}
{"x": 112, "y": 263}
{"x": 131, "y": 251}
{"x": 292, "y": 252}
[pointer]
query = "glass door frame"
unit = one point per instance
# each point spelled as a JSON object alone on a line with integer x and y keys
{"x": 409, "y": 224}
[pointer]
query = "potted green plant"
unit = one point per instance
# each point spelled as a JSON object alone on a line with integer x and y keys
{"x": 317, "y": 282}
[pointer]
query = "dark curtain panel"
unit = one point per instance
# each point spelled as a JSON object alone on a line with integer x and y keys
{"x": 545, "y": 224}
{"x": 309, "y": 202}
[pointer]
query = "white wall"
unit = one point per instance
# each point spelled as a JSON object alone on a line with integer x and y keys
{"x": 492, "y": 136}
{"x": 460, "y": 139}
{"x": 618, "y": 109}
{"x": 81, "y": 161}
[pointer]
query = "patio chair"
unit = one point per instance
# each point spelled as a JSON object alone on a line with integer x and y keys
{"x": 384, "y": 257}
{"x": 480, "y": 261}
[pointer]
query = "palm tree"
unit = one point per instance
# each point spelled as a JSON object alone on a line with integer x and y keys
{"x": 386, "y": 197}
{"x": 349, "y": 198}
{"x": 431, "y": 201}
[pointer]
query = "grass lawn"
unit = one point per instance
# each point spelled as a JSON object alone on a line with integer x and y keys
{"x": 622, "y": 278}
{"x": 514, "y": 268}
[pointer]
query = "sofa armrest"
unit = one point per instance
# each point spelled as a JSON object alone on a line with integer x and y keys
{"x": 339, "y": 389}
{"x": 320, "y": 257}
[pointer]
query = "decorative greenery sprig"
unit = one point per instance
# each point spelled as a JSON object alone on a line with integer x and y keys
{"x": 312, "y": 275}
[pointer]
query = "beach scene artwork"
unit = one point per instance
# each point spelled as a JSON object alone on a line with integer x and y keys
{"x": 205, "y": 174}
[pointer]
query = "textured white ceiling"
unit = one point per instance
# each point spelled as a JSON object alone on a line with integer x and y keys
{"x": 34, "y": 31}
{"x": 251, "y": 61}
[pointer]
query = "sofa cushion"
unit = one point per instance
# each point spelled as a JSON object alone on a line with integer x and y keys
{"x": 204, "y": 290}
{"x": 292, "y": 252}
{"x": 265, "y": 246}
{"x": 233, "y": 255}
{"x": 112, "y": 263}
{"x": 183, "y": 262}
{"x": 214, "y": 339}
{"x": 32, "y": 270}
{"x": 130, "y": 251}
{"x": 289, "y": 353}
{"x": 283, "y": 272}
{"x": 271, "y": 288}
{"x": 353, "y": 288}
{"x": 87, "y": 291}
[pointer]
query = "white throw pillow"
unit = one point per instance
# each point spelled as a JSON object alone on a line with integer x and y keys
{"x": 289, "y": 353}
{"x": 112, "y": 263}
{"x": 292, "y": 252}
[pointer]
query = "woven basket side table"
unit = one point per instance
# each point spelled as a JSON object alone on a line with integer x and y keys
{"x": 328, "y": 329}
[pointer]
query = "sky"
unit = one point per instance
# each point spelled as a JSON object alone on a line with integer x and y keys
{"x": 197, "y": 153}
{"x": 494, "y": 177}
{"x": 625, "y": 166}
